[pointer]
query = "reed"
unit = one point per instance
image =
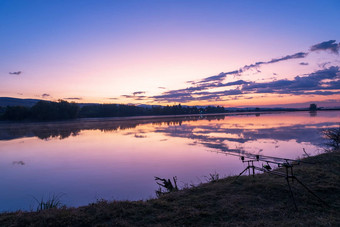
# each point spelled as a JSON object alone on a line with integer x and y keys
{"x": 50, "y": 203}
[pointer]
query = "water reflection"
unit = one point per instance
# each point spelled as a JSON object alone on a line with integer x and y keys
{"x": 62, "y": 130}
{"x": 92, "y": 159}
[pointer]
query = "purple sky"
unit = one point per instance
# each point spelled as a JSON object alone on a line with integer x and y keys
{"x": 230, "y": 53}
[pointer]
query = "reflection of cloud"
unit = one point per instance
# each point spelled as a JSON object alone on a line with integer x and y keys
{"x": 303, "y": 63}
{"x": 330, "y": 45}
{"x": 21, "y": 163}
{"x": 224, "y": 136}
{"x": 63, "y": 130}
{"x": 240, "y": 134}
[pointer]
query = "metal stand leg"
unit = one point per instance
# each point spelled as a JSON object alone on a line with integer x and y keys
{"x": 242, "y": 172}
{"x": 291, "y": 193}
{"x": 310, "y": 191}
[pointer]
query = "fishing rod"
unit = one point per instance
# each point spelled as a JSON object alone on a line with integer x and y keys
{"x": 263, "y": 158}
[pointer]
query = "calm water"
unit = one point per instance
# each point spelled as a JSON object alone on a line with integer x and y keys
{"x": 87, "y": 160}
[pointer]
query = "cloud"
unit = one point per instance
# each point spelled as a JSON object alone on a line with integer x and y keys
{"x": 140, "y": 136}
{"x": 74, "y": 98}
{"x": 21, "y": 163}
{"x": 140, "y": 97}
{"x": 127, "y": 96}
{"x": 275, "y": 60}
{"x": 322, "y": 82}
{"x": 138, "y": 92}
{"x": 45, "y": 95}
{"x": 314, "y": 83}
{"x": 212, "y": 80}
{"x": 218, "y": 78}
{"x": 300, "y": 85}
{"x": 15, "y": 73}
{"x": 162, "y": 87}
{"x": 174, "y": 97}
{"x": 327, "y": 45}
{"x": 184, "y": 95}
{"x": 324, "y": 64}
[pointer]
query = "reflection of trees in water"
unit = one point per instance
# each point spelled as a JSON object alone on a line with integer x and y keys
{"x": 63, "y": 130}
{"x": 57, "y": 133}
{"x": 204, "y": 134}
{"x": 213, "y": 135}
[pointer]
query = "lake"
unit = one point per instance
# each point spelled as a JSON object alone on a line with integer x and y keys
{"x": 117, "y": 159}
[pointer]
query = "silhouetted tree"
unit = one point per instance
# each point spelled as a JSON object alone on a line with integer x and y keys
{"x": 2, "y": 112}
{"x": 16, "y": 113}
{"x": 313, "y": 107}
{"x": 61, "y": 110}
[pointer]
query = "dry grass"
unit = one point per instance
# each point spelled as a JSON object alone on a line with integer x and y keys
{"x": 260, "y": 201}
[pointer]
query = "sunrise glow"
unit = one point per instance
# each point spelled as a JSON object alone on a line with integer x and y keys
{"x": 227, "y": 53}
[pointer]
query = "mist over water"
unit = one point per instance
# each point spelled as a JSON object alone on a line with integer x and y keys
{"x": 91, "y": 159}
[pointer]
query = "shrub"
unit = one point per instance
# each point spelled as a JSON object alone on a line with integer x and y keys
{"x": 333, "y": 138}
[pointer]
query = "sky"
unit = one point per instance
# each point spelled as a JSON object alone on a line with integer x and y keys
{"x": 227, "y": 53}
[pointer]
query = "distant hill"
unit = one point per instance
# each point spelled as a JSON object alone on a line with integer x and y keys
{"x": 7, "y": 101}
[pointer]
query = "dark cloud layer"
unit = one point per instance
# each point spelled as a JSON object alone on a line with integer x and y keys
{"x": 322, "y": 82}
{"x": 327, "y": 45}
{"x": 311, "y": 84}
{"x": 275, "y": 60}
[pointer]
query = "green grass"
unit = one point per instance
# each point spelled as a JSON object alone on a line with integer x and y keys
{"x": 260, "y": 201}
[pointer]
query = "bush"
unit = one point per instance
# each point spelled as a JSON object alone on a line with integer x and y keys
{"x": 333, "y": 138}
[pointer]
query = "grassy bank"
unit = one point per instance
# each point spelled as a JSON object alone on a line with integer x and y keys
{"x": 262, "y": 200}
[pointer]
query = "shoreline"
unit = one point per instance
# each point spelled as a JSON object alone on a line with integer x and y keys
{"x": 259, "y": 200}
{"x": 145, "y": 117}
{"x": 156, "y": 117}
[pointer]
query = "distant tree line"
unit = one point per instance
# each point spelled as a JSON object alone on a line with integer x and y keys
{"x": 42, "y": 111}
{"x": 62, "y": 110}
{"x": 119, "y": 110}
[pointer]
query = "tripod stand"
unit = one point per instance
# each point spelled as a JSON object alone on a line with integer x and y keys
{"x": 288, "y": 174}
